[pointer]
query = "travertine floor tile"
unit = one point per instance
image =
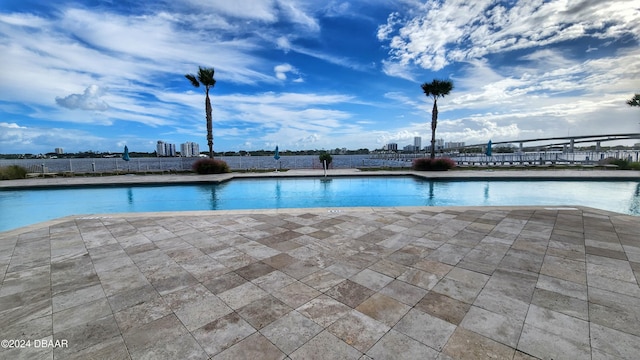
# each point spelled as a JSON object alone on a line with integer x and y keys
{"x": 325, "y": 346}
{"x": 369, "y": 283}
{"x": 443, "y": 307}
{"x": 497, "y": 327}
{"x": 255, "y": 346}
{"x": 291, "y": 331}
{"x": 427, "y": 329}
{"x": 324, "y": 310}
{"x": 395, "y": 345}
{"x": 350, "y": 293}
{"x": 222, "y": 333}
{"x": 358, "y": 330}
{"x": 468, "y": 345}
{"x": 383, "y": 309}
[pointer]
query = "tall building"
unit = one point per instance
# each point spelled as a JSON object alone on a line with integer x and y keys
{"x": 171, "y": 150}
{"x": 59, "y": 151}
{"x": 190, "y": 149}
{"x": 392, "y": 147}
{"x": 160, "y": 148}
{"x": 165, "y": 149}
{"x": 417, "y": 143}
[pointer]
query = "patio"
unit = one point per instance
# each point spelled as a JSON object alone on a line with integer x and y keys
{"x": 352, "y": 283}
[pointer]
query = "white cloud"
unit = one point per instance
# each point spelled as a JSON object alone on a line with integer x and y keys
{"x": 89, "y": 100}
{"x": 282, "y": 70}
{"x": 434, "y": 34}
{"x": 294, "y": 12}
{"x": 399, "y": 70}
{"x": 24, "y": 139}
{"x": 268, "y": 11}
{"x": 262, "y": 10}
{"x": 22, "y": 20}
{"x": 11, "y": 126}
{"x": 283, "y": 43}
{"x": 398, "y": 137}
{"x": 532, "y": 99}
{"x": 141, "y": 59}
{"x": 333, "y": 59}
{"x": 283, "y": 118}
{"x": 336, "y": 9}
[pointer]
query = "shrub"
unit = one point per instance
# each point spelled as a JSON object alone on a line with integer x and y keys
{"x": 12, "y": 172}
{"x": 428, "y": 164}
{"x": 621, "y": 163}
{"x": 210, "y": 166}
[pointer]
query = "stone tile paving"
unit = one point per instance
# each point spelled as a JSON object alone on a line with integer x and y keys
{"x": 384, "y": 283}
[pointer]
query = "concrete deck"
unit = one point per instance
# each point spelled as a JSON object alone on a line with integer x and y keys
{"x": 353, "y": 283}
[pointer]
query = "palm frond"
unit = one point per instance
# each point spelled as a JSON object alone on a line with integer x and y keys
{"x": 205, "y": 76}
{"x": 193, "y": 80}
{"x": 437, "y": 88}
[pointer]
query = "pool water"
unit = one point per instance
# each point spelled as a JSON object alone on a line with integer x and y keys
{"x": 23, "y": 207}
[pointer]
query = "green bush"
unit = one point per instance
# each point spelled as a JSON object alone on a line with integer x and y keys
{"x": 12, "y": 172}
{"x": 621, "y": 163}
{"x": 428, "y": 164}
{"x": 210, "y": 166}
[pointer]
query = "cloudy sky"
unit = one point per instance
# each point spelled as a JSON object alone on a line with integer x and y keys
{"x": 305, "y": 74}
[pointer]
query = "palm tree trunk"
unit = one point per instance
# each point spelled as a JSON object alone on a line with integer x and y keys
{"x": 434, "y": 124}
{"x": 209, "y": 125}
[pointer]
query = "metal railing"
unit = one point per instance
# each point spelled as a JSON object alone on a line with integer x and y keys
{"x": 390, "y": 160}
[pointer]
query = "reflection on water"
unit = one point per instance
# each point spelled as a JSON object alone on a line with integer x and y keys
{"x": 210, "y": 193}
{"x": 278, "y": 193}
{"x": 213, "y": 198}
{"x": 130, "y": 196}
{"x": 634, "y": 208}
{"x": 486, "y": 191}
{"x": 431, "y": 191}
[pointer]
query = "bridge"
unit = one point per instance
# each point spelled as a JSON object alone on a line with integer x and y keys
{"x": 564, "y": 140}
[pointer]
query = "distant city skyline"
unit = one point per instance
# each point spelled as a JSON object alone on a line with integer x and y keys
{"x": 94, "y": 76}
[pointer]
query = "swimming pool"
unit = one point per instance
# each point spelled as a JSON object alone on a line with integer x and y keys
{"x": 23, "y": 207}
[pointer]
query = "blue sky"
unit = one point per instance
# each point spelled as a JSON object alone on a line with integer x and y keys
{"x": 303, "y": 74}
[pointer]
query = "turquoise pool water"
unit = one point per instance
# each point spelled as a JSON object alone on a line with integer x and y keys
{"x": 24, "y": 207}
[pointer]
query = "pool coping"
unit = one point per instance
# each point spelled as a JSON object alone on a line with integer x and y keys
{"x": 173, "y": 179}
{"x": 316, "y": 210}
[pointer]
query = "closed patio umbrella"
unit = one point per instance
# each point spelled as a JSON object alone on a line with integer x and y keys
{"x": 276, "y": 156}
{"x": 125, "y": 156}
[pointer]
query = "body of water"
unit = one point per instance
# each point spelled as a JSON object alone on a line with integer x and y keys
{"x": 23, "y": 207}
{"x": 164, "y": 164}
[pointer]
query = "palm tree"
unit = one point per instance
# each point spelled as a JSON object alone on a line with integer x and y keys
{"x": 635, "y": 100}
{"x": 436, "y": 89}
{"x": 205, "y": 78}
